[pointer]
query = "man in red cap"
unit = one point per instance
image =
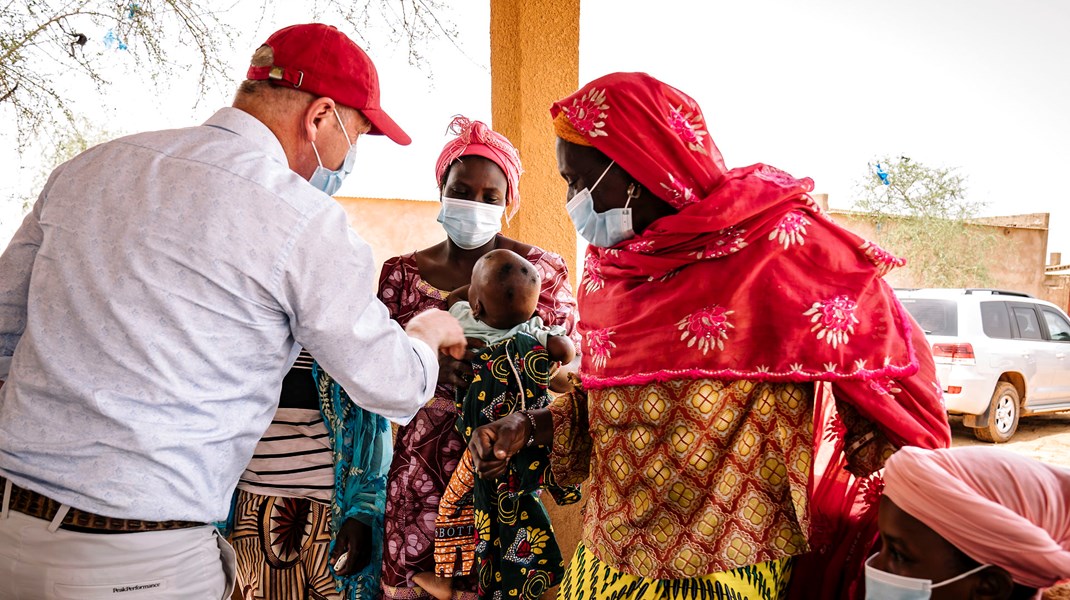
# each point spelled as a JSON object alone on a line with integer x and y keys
{"x": 150, "y": 305}
{"x": 299, "y": 489}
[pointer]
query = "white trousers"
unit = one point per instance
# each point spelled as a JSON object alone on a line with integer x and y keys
{"x": 40, "y": 562}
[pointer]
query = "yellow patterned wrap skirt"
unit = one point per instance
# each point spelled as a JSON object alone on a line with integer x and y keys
{"x": 588, "y": 578}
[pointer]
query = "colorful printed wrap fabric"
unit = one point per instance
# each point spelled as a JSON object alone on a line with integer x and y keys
{"x": 360, "y": 441}
{"x": 501, "y": 527}
{"x": 428, "y": 450}
{"x": 749, "y": 280}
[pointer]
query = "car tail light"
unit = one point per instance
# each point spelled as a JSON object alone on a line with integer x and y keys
{"x": 956, "y": 354}
{"x": 954, "y": 389}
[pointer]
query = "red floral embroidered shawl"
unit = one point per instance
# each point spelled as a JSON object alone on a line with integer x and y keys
{"x": 765, "y": 289}
{"x": 748, "y": 281}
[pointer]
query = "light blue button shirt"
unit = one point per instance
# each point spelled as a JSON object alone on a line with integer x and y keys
{"x": 150, "y": 305}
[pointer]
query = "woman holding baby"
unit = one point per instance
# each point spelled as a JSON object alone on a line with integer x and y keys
{"x": 477, "y": 174}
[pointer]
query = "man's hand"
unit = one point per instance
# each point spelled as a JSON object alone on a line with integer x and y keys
{"x": 493, "y": 444}
{"x": 355, "y": 540}
{"x": 438, "y": 329}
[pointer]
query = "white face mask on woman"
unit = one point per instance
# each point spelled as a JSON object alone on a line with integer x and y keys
{"x": 886, "y": 586}
{"x": 605, "y": 229}
{"x": 468, "y": 223}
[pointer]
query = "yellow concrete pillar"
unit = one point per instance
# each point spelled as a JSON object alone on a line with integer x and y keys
{"x": 534, "y": 60}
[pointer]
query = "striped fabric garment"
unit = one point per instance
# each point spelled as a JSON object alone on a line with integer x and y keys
{"x": 293, "y": 458}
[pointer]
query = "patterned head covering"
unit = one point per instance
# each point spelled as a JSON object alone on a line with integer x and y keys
{"x": 645, "y": 126}
{"x": 474, "y": 138}
{"x": 997, "y": 507}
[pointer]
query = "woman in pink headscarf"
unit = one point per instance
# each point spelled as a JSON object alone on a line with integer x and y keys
{"x": 970, "y": 523}
{"x": 477, "y": 173}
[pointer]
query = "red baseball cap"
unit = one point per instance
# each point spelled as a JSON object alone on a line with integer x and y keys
{"x": 321, "y": 60}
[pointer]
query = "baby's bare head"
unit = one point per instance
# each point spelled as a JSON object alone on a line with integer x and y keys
{"x": 504, "y": 290}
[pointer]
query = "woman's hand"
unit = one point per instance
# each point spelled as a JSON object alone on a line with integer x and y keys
{"x": 355, "y": 541}
{"x": 452, "y": 371}
{"x": 493, "y": 444}
{"x": 455, "y": 372}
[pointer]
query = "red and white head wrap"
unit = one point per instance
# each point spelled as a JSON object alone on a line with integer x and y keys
{"x": 474, "y": 138}
{"x": 995, "y": 506}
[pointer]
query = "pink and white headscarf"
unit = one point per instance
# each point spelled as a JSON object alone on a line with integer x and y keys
{"x": 997, "y": 507}
{"x": 474, "y": 138}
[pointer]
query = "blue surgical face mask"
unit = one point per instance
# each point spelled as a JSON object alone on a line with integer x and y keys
{"x": 886, "y": 586}
{"x": 605, "y": 229}
{"x": 329, "y": 181}
{"x": 468, "y": 223}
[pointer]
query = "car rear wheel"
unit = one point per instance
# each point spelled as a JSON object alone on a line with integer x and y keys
{"x": 1003, "y": 415}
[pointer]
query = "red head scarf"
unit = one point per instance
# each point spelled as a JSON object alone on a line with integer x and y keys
{"x": 474, "y": 138}
{"x": 749, "y": 280}
{"x": 997, "y": 507}
{"x": 654, "y": 125}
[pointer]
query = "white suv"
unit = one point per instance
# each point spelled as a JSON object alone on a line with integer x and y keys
{"x": 999, "y": 355}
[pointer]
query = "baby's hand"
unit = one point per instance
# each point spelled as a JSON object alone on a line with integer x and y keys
{"x": 561, "y": 349}
{"x": 458, "y": 295}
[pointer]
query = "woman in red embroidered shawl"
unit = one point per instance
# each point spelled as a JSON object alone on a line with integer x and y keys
{"x": 718, "y": 309}
{"x": 477, "y": 173}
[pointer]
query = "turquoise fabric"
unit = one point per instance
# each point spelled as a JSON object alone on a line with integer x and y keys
{"x": 361, "y": 443}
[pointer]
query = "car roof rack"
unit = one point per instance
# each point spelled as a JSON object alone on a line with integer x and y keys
{"x": 996, "y": 292}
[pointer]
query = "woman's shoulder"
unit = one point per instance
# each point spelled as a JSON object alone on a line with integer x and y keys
{"x": 400, "y": 271}
{"x": 410, "y": 262}
{"x": 537, "y": 255}
{"x": 402, "y": 262}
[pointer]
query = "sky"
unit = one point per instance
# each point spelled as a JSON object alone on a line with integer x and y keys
{"x": 817, "y": 88}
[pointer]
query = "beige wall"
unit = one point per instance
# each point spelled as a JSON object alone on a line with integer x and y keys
{"x": 393, "y": 227}
{"x": 1057, "y": 290}
{"x": 1017, "y": 264}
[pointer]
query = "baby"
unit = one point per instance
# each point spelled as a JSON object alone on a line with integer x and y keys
{"x": 512, "y": 373}
{"x": 500, "y": 302}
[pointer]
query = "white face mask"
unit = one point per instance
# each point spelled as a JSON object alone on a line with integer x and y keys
{"x": 329, "y": 181}
{"x": 468, "y": 223}
{"x": 605, "y": 229}
{"x": 886, "y": 586}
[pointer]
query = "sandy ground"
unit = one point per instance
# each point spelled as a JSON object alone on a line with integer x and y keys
{"x": 1043, "y": 437}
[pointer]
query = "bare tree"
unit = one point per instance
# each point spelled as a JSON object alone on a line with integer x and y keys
{"x": 412, "y": 22}
{"x": 45, "y": 42}
{"x": 922, "y": 213}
